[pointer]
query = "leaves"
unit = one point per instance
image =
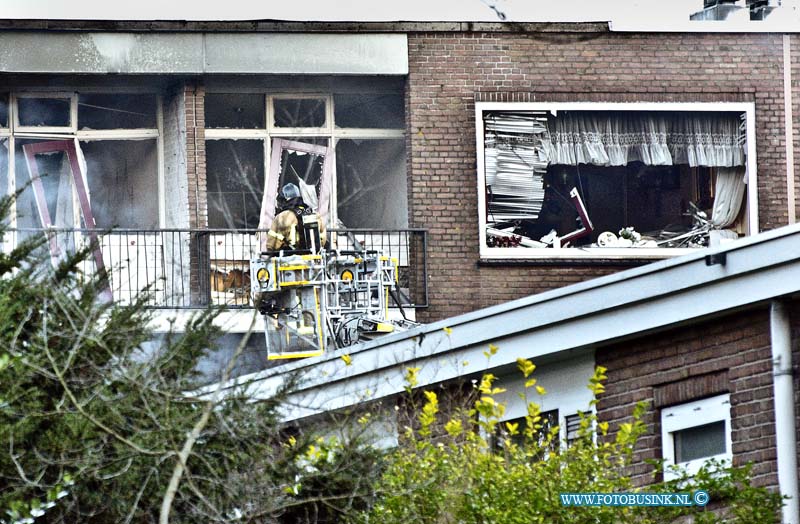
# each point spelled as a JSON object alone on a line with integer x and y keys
{"x": 94, "y": 407}
{"x": 496, "y": 471}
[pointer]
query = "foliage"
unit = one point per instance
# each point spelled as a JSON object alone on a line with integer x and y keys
{"x": 97, "y": 424}
{"x": 473, "y": 468}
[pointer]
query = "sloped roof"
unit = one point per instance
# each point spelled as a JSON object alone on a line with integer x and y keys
{"x": 550, "y": 325}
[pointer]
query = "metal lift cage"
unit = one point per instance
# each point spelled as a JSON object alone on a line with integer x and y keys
{"x": 313, "y": 301}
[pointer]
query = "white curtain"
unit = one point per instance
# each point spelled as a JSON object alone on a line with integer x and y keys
{"x": 712, "y": 140}
{"x": 730, "y": 184}
{"x": 609, "y": 139}
{"x": 660, "y": 139}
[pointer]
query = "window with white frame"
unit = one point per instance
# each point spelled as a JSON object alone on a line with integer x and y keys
{"x": 613, "y": 180}
{"x": 365, "y": 131}
{"x": 119, "y": 139}
{"x": 695, "y": 432}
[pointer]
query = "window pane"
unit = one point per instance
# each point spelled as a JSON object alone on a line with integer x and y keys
{"x": 116, "y": 111}
{"x": 3, "y": 109}
{"x": 299, "y": 112}
{"x": 44, "y": 112}
{"x": 371, "y": 183}
{"x": 27, "y": 215}
{"x": 234, "y": 110}
{"x": 123, "y": 182}
{"x": 700, "y": 441}
{"x": 235, "y": 183}
{"x": 369, "y": 111}
{"x": 56, "y": 176}
{"x": 303, "y": 170}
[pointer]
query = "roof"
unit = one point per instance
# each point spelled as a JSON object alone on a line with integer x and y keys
{"x": 550, "y": 326}
{"x": 636, "y": 15}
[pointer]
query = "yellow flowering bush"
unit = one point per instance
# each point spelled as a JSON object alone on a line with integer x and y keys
{"x": 472, "y": 468}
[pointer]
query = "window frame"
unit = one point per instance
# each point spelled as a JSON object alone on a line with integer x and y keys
{"x": 73, "y": 111}
{"x": 15, "y": 131}
{"x": 493, "y": 253}
{"x": 329, "y": 132}
{"x": 690, "y": 415}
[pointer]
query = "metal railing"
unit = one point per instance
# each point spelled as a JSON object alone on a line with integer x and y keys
{"x": 194, "y": 268}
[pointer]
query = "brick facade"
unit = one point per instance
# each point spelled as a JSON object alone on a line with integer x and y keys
{"x": 726, "y": 355}
{"x": 448, "y": 71}
{"x": 194, "y": 94}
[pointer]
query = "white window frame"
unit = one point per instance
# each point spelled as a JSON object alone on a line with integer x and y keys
{"x": 329, "y": 132}
{"x": 486, "y": 252}
{"x": 72, "y": 132}
{"x": 691, "y": 415}
{"x": 73, "y": 112}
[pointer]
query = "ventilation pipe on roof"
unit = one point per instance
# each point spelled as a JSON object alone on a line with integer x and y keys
{"x": 737, "y": 10}
{"x": 721, "y": 10}
{"x": 761, "y": 9}
{"x": 785, "y": 436}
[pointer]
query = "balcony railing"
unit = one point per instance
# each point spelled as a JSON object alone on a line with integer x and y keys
{"x": 194, "y": 268}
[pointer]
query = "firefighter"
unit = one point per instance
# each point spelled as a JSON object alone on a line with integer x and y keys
{"x": 293, "y": 221}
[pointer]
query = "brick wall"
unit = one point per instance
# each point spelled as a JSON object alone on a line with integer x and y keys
{"x": 194, "y": 96}
{"x": 795, "y": 56}
{"x": 194, "y": 109}
{"x": 730, "y": 354}
{"x": 447, "y": 71}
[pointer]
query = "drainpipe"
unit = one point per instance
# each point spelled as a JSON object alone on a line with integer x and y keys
{"x": 785, "y": 436}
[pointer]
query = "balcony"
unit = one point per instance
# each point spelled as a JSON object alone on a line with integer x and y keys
{"x": 195, "y": 268}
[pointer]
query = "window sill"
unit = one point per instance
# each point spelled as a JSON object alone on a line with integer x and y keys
{"x": 578, "y": 256}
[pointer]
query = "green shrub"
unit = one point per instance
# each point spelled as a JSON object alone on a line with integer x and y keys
{"x": 479, "y": 470}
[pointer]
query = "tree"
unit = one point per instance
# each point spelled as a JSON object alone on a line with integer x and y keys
{"x": 98, "y": 423}
{"x": 474, "y": 469}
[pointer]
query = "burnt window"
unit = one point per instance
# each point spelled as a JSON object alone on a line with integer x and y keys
{"x": 235, "y": 110}
{"x": 619, "y": 183}
{"x": 369, "y": 111}
{"x": 116, "y": 111}
{"x": 299, "y": 112}
{"x": 235, "y": 183}
{"x": 44, "y": 112}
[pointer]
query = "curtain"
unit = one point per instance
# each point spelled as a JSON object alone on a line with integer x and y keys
{"x": 712, "y": 140}
{"x": 658, "y": 138}
{"x": 730, "y": 184}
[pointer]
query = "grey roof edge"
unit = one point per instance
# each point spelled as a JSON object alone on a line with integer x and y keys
{"x": 299, "y": 27}
{"x": 665, "y": 284}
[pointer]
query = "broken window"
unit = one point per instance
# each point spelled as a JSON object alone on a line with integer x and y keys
{"x": 369, "y": 111}
{"x": 123, "y": 182}
{"x": 303, "y": 169}
{"x": 235, "y": 183}
{"x": 56, "y": 179}
{"x": 612, "y": 179}
{"x": 299, "y": 112}
{"x": 116, "y": 111}
{"x": 44, "y": 112}
{"x": 235, "y": 110}
{"x": 371, "y": 183}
